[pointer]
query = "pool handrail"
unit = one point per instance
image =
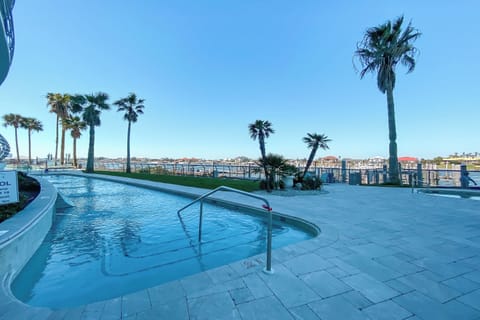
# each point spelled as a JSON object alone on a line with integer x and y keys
{"x": 268, "y": 268}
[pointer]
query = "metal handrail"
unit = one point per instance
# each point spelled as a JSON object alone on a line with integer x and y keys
{"x": 268, "y": 268}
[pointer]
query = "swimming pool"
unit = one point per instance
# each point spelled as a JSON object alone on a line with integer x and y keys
{"x": 118, "y": 239}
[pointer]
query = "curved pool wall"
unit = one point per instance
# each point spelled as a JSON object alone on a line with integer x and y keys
{"x": 20, "y": 236}
{"x": 26, "y": 231}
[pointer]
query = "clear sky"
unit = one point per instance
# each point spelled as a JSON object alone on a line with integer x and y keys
{"x": 208, "y": 68}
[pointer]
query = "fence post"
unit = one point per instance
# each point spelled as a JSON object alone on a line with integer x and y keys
{"x": 463, "y": 173}
{"x": 344, "y": 170}
{"x": 384, "y": 173}
{"x": 419, "y": 175}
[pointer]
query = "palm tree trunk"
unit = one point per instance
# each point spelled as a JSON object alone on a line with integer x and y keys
{"x": 261, "y": 141}
{"x": 392, "y": 131}
{"x": 309, "y": 161}
{"x": 128, "y": 148}
{"x": 16, "y": 144}
{"x": 62, "y": 146}
{"x": 56, "y": 141}
{"x": 91, "y": 145}
{"x": 75, "y": 152}
{"x": 29, "y": 146}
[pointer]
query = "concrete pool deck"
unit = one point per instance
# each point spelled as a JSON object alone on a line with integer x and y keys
{"x": 383, "y": 253}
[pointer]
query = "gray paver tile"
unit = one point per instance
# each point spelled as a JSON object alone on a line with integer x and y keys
{"x": 257, "y": 287}
{"x": 371, "y": 267}
{"x": 459, "y": 310}
{"x": 173, "y": 310}
{"x": 112, "y": 309}
{"x": 371, "y": 288}
{"x": 446, "y": 270}
{"x": 398, "y": 265}
{"x": 356, "y": 299}
{"x": 264, "y": 309}
{"x": 474, "y": 276}
{"x": 349, "y": 269}
{"x": 241, "y": 295}
{"x": 222, "y": 274}
{"x": 289, "y": 289}
{"x": 472, "y": 299}
{"x": 433, "y": 289}
{"x": 304, "y": 313}
{"x": 135, "y": 302}
{"x": 215, "y": 306}
{"x": 307, "y": 263}
{"x": 399, "y": 286}
{"x": 166, "y": 292}
{"x": 387, "y": 310}
{"x": 462, "y": 284}
{"x": 324, "y": 284}
{"x": 372, "y": 250}
{"x": 335, "y": 308}
{"x": 337, "y": 272}
{"x": 423, "y": 306}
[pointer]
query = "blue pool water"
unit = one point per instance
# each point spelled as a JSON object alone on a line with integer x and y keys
{"x": 118, "y": 239}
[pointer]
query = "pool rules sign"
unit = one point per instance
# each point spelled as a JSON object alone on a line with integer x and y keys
{"x": 8, "y": 187}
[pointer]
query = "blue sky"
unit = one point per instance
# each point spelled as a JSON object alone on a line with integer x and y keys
{"x": 209, "y": 68}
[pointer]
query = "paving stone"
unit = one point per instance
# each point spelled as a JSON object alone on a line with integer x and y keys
{"x": 222, "y": 274}
{"x": 472, "y": 299}
{"x": 290, "y": 290}
{"x": 433, "y": 289}
{"x": 241, "y": 295}
{"x": 399, "y": 286}
{"x": 398, "y": 265}
{"x": 337, "y": 272}
{"x": 264, "y": 309}
{"x": 166, "y": 292}
{"x": 215, "y": 306}
{"x": 173, "y": 310}
{"x": 307, "y": 263}
{"x": 371, "y": 288}
{"x": 387, "y": 310}
{"x": 462, "y": 284}
{"x": 112, "y": 309}
{"x": 446, "y": 270}
{"x": 356, "y": 299}
{"x": 372, "y": 250}
{"x": 324, "y": 284}
{"x": 349, "y": 269}
{"x": 257, "y": 287}
{"x": 474, "y": 276}
{"x": 371, "y": 267}
{"x": 335, "y": 308}
{"x": 135, "y": 302}
{"x": 304, "y": 313}
{"x": 459, "y": 310}
{"x": 423, "y": 306}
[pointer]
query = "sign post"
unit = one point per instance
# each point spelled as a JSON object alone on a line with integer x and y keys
{"x": 8, "y": 187}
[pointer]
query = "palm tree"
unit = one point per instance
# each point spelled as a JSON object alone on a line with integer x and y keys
{"x": 381, "y": 49}
{"x": 31, "y": 124}
{"x": 262, "y": 129}
{"x": 314, "y": 141}
{"x": 92, "y": 106}
{"x": 59, "y": 105}
{"x": 275, "y": 163}
{"x": 132, "y": 108}
{"x": 76, "y": 125}
{"x": 15, "y": 121}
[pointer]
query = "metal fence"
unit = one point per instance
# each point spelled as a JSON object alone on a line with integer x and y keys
{"x": 369, "y": 176}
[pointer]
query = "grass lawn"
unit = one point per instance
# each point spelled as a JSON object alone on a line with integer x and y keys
{"x": 200, "y": 182}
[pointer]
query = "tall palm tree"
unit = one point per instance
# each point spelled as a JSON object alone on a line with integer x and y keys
{"x": 31, "y": 124}
{"x": 59, "y": 105}
{"x": 92, "y": 106}
{"x": 13, "y": 120}
{"x": 314, "y": 141}
{"x": 381, "y": 49}
{"x": 76, "y": 125}
{"x": 262, "y": 129}
{"x": 132, "y": 108}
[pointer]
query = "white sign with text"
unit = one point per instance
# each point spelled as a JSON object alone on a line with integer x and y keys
{"x": 8, "y": 187}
